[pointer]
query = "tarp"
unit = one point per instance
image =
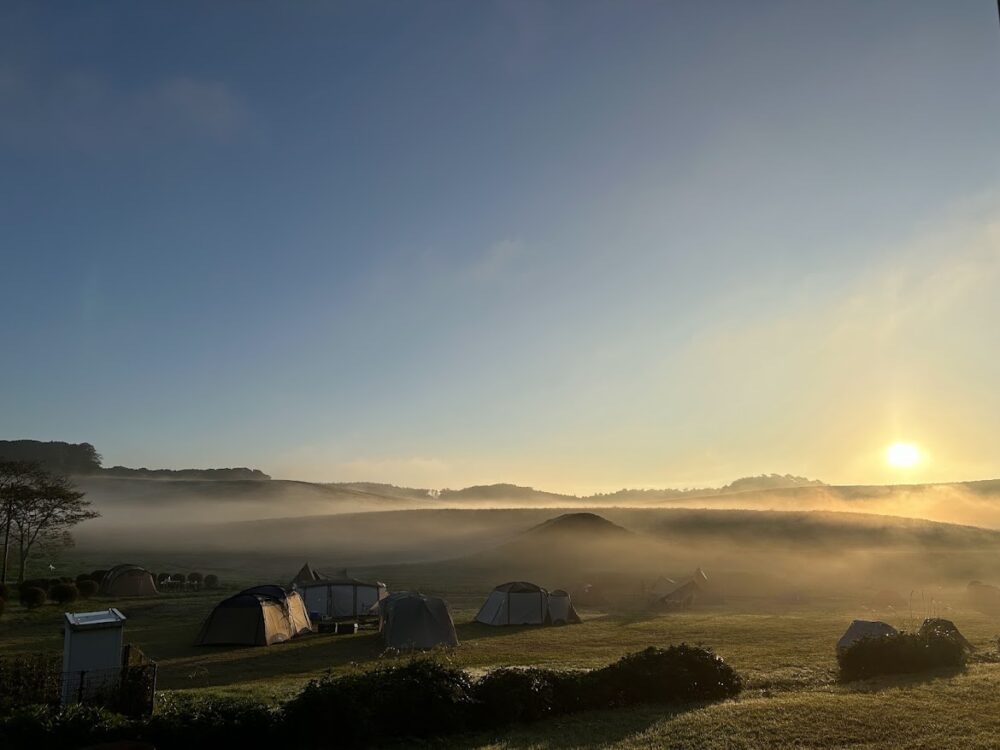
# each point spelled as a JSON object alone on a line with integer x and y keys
{"x": 414, "y": 621}
{"x": 859, "y": 629}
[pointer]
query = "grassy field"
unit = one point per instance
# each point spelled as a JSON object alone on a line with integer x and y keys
{"x": 785, "y": 652}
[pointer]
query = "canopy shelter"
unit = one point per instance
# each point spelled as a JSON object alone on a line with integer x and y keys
{"x": 410, "y": 620}
{"x": 515, "y": 603}
{"x": 341, "y": 597}
{"x": 259, "y": 616}
{"x": 128, "y": 580}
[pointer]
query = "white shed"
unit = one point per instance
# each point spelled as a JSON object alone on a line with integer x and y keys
{"x": 92, "y": 653}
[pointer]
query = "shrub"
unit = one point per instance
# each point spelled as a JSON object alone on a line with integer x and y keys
{"x": 901, "y": 653}
{"x": 3, "y": 603}
{"x": 97, "y": 576}
{"x": 86, "y": 588}
{"x": 83, "y": 577}
{"x": 72, "y": 726}
{"x": 187, "y": 722}
{"x": 194, "y": 577}
{"x": 63, "y": 593}
{"x": 29, "y": 678}
{"x": 4, "y": 591}
{"x": 32, "y": 596}
{"x": 211, "y": 581}
{"x": 508, "y": 695}
{"x": 36, "y": 583}
{"x": 66, "y": 579}
{"x": 422, "y": 698}
{"x": 161, "y": 577}
{"x": 678, "y": 674}
{"x": 53, "y": 582}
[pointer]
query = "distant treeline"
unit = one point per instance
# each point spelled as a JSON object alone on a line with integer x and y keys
{"x": 746, "y": 484}
{"x": 83, "y": 458}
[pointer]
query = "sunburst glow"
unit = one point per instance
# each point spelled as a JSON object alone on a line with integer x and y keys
{"x": 902, "y": 455}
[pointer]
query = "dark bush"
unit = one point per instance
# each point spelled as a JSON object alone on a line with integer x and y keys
{"x": 32, "y": 596}
{"x": 63, "y": 593}
{"x": 194, "y": 577}
{"x": 83, "y": 577}
{"x": 73, "y": 726}
{"x": 97, "y": 576}
{"x": 901, "y": 653}
{"x": 161, "y": 577}
{"x": 53, "y": 582}
{"x": 422, "y": 698}
{"x": 27, "y": 679}
{"x": 211, "y": 581}
{"x": 506, "y": 696}
{"x": 4, "y": 591}
{"x": 87, "y": 588}
{"x": 186, "y": 722}
{"x": 678, "y": 674}
{"x": 66, "y": 579}
{"x": 35, "y": 583}
{"x": 3, "y": 603}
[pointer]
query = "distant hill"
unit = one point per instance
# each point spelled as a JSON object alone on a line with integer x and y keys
{"x": 502, "y": 493}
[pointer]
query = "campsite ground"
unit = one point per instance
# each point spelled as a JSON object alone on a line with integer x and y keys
{"x": 785, "y": 652}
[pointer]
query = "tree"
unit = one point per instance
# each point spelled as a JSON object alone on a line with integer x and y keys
{"x": 42, "y": 511}
{"x": 15, "y": 479}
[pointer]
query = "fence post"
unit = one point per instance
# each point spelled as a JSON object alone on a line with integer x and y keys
{"x": 79, "y": 694}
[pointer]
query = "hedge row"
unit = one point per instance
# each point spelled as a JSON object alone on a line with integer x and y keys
{"x": 422, "y": 698}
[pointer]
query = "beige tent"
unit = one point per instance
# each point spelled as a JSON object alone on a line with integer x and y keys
{"x": 260, "y": 616}
{"x": 561, "y": 610}
{"x": 128, "y": 580}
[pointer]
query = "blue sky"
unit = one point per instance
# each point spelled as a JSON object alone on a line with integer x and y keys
{"x": 576, "y": 245}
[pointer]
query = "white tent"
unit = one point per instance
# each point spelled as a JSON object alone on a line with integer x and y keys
{"x": 861, "y": 629}
{"x": 515, "y": 603}
{"x": 342, "y": 597}
{"x": 561, "y": 610}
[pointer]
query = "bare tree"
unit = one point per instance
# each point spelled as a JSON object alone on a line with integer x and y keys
{"x": 42, "y": 510}
{"x": 16, "y": 478}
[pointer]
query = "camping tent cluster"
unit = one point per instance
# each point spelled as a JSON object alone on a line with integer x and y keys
{"x": 258, "y": 616}
{"x": 411, "y": 620}
{"x": 523, "y": 603}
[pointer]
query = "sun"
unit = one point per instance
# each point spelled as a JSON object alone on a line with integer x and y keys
{"x": 902, "y": 455}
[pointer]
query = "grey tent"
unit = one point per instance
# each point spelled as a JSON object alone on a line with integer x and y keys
{"x": 128, "y": 580}
{"x": 561, "y": 610}
{"x": 306, "y": 574}
{"x": 859, "y": 629}
{"x": 662, "y": 586}
{"x": 515, "y": 603}
{"x": 260, "y": 616}
{"x": 682, "y": 597}
{"x": 411, "y": 620}
{"x": 342, "y": 597}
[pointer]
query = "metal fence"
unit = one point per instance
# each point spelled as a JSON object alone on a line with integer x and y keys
{"x": 129, "y": 689}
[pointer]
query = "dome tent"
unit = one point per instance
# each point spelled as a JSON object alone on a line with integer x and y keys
{"x": 258, "y": 616}
{"x": 859, "y": 629}
{"x": 561, "y": 610}
{"x": 410, "y": 620}
{"x": 128, "y": 580}
{"x": 515, "y": 603}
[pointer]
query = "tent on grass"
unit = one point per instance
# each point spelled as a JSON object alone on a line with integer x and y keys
{"x": 662, "y": 586}
{"x": 561, "y": 610}
{"x": 306, "y": 574}
{"x": 515, "y": 603}
{"x": 859, "y": 629}
{"x": 259, "y": 616}
{"x": 410, "y": 620}
{"x": 342, "y": 597}
{"x": 128, "y": 580}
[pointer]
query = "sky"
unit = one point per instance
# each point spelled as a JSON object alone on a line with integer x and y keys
{"x": 576, "y": 245}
